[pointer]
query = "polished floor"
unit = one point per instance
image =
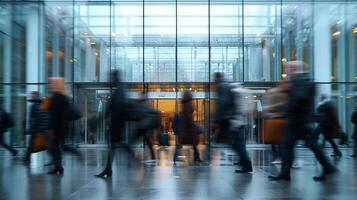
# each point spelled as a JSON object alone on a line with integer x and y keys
{"x": 161, "y": 180}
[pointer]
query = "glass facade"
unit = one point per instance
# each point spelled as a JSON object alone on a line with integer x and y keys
{"x": 166, "y": 46}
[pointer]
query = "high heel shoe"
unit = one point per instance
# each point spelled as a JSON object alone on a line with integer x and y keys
{"x": 105, "y": 173}
{"x": 56, "y": 171}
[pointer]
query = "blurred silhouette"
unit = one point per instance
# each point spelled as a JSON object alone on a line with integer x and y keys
{"x": 119, "y": 112}
{"x": 328, "y": 123}
{"x": 274, "y": 109}
{"x": 231, "y": 110}
{"x": 34, "y": 119}
{"x": 186, "y": 130}
{"x": 59, "y": 107}
{"x": 6, "y": 122}
{"x": 300, "y": 112}
{"x": 354, "y": 134}
{"x": 149, "y": 120}
{"x": 244, "y": 107}
{"x": 225, "y": 108}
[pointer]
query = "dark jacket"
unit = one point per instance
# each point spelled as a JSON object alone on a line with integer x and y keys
{"x": 225, "y": 107}
{"x": 149, "y": 117}
{"x": 188, "y": 132}
{"x": 6, "y": 121}
{"x": 301, "y": 97}
{"x": 118, "y": 111}
{"x": 327, "y": 112}
{"x": 34, "y": 116}
{"x": 59, "y": 115}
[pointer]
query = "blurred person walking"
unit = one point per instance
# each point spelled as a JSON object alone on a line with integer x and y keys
{"x": 231, "y": 121}
{"x": 58, "y": 109}
{"x": 150, "y": 120}
{"x": 328, "y": 123}
{"x": 34, "y": 120}
{"x": 187, "y": 131}
{"x": 119, "y": 112}
{"x": 6, "y": 122}
{"x": 245, "y": 106}
{"x": 300, "y": 112}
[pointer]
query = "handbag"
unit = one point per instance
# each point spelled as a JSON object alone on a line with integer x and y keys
{"x": 38, "y": 142}
{"x": 273, "y": 130}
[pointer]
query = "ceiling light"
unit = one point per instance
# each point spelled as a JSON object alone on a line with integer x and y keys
{"x": 336, "y": 34}
{"x": 354, "y": 31}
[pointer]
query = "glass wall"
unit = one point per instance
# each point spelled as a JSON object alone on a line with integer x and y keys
{"x": 168, "y": 46}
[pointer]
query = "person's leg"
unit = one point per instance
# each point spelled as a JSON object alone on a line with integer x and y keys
{"x": 311, "y": 143}
{"x": 55, "y": 150}
{"x": 354, "y": 149}
{"x": 287, "y": 151}
{"x": 336, "y": 151}
{"x": 240, "y": 146}
{"x": 147, "y": 139}
{"x": 28, "y": 154}
{"x": 8, "y": 147}
{"x": 196, "y": 153}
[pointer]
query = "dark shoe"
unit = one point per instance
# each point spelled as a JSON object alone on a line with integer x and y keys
{"x": 353, "y": 155}
{"x": 323, "y": 176}
{"x": 58, "y": 170}
{"x": 243, "y": 170}
{"x": 237, "y": 163}
{"x": 49, "y": 164}
{"x": 279, "y": 177}
{"x": 106, "y": 173}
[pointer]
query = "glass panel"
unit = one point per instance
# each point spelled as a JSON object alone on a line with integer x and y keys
{"x": 92, "y": 41}
{"x": 127, "y": 40}
{"x": 160, "y": 41}
{"x": 192, "y": 41}
{"x": 261, "y": 42}
{"x": 226, "y": 39}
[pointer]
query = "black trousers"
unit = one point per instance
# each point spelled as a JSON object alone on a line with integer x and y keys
{"x": 322, "y": 130}
{"x": 239, "y": 145}
{"x": 55, "y": 151}
{"x": 293, "y": 133}
{"x": 8, "y": 147}
{"x": 147, "y": 139}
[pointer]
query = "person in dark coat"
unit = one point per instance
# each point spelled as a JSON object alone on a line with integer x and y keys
{"x": 187, "y": 129}
{"x": 33, "y": 119}
{"x": 118, "y": 111}
{"x": 4, "y": 116}
{"x": 225, "y": 108}
{"x": 58, "y": 112}
{"x": 300, "y": 114}
{"x": 354, "y": 135}
{"x": 328, "y": 123}
{"x": 150, "y": 120}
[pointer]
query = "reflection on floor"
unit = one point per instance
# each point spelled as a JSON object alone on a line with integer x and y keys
{"x": 162, "y": 180}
